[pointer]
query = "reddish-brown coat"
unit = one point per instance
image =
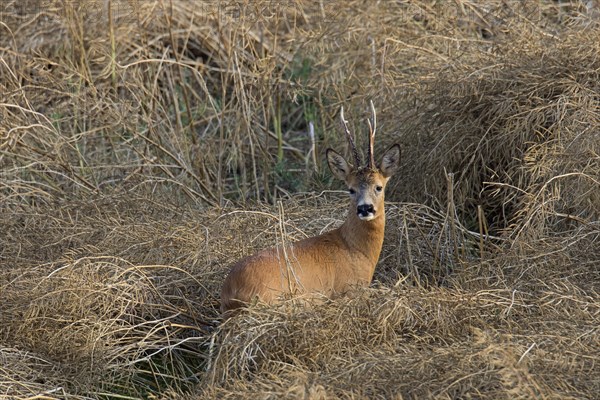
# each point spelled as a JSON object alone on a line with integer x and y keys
{"x": 334, "y": 262}
{"x": 328, "y": 264}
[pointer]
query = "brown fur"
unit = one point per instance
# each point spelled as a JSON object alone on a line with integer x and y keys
{"x": 328, "y": 264}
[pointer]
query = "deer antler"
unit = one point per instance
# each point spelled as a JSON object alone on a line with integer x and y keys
{"x": 350, "y": 139}
{"x": 372, "y": 128}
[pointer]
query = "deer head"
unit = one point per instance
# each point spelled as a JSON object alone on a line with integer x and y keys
{"x": 366, "y": 184}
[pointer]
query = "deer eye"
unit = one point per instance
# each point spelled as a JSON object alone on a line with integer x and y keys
{"x": 379, "y": 188}
{"x": 351, "y": 191}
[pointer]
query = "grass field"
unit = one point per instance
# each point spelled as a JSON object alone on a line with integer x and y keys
{"x": 145, "y": 145}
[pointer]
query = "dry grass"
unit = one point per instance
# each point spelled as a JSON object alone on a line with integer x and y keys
{"x": 145, "y": 146}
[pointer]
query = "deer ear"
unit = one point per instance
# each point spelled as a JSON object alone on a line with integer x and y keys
{"x": 338, "y": 165}
{"x": 390, "y": 162}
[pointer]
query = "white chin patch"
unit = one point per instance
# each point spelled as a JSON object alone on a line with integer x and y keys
{"x": 367, "y": 217}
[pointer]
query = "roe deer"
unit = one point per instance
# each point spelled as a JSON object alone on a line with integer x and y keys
{"x": 335, "y": 261}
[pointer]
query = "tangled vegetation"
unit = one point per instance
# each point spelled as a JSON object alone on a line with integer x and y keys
{"x": 147, "y": 145}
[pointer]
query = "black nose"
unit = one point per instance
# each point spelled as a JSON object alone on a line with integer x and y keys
{"x": 365, "y": 209}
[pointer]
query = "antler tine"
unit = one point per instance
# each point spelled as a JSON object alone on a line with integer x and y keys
{"x": 350, "y": 139}
{"x": 372, "y": 128}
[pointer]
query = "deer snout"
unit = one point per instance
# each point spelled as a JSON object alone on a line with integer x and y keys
{"x": 365, "y": 212}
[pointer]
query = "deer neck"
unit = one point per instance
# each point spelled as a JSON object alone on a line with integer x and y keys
{"x": 364, "y": 237}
